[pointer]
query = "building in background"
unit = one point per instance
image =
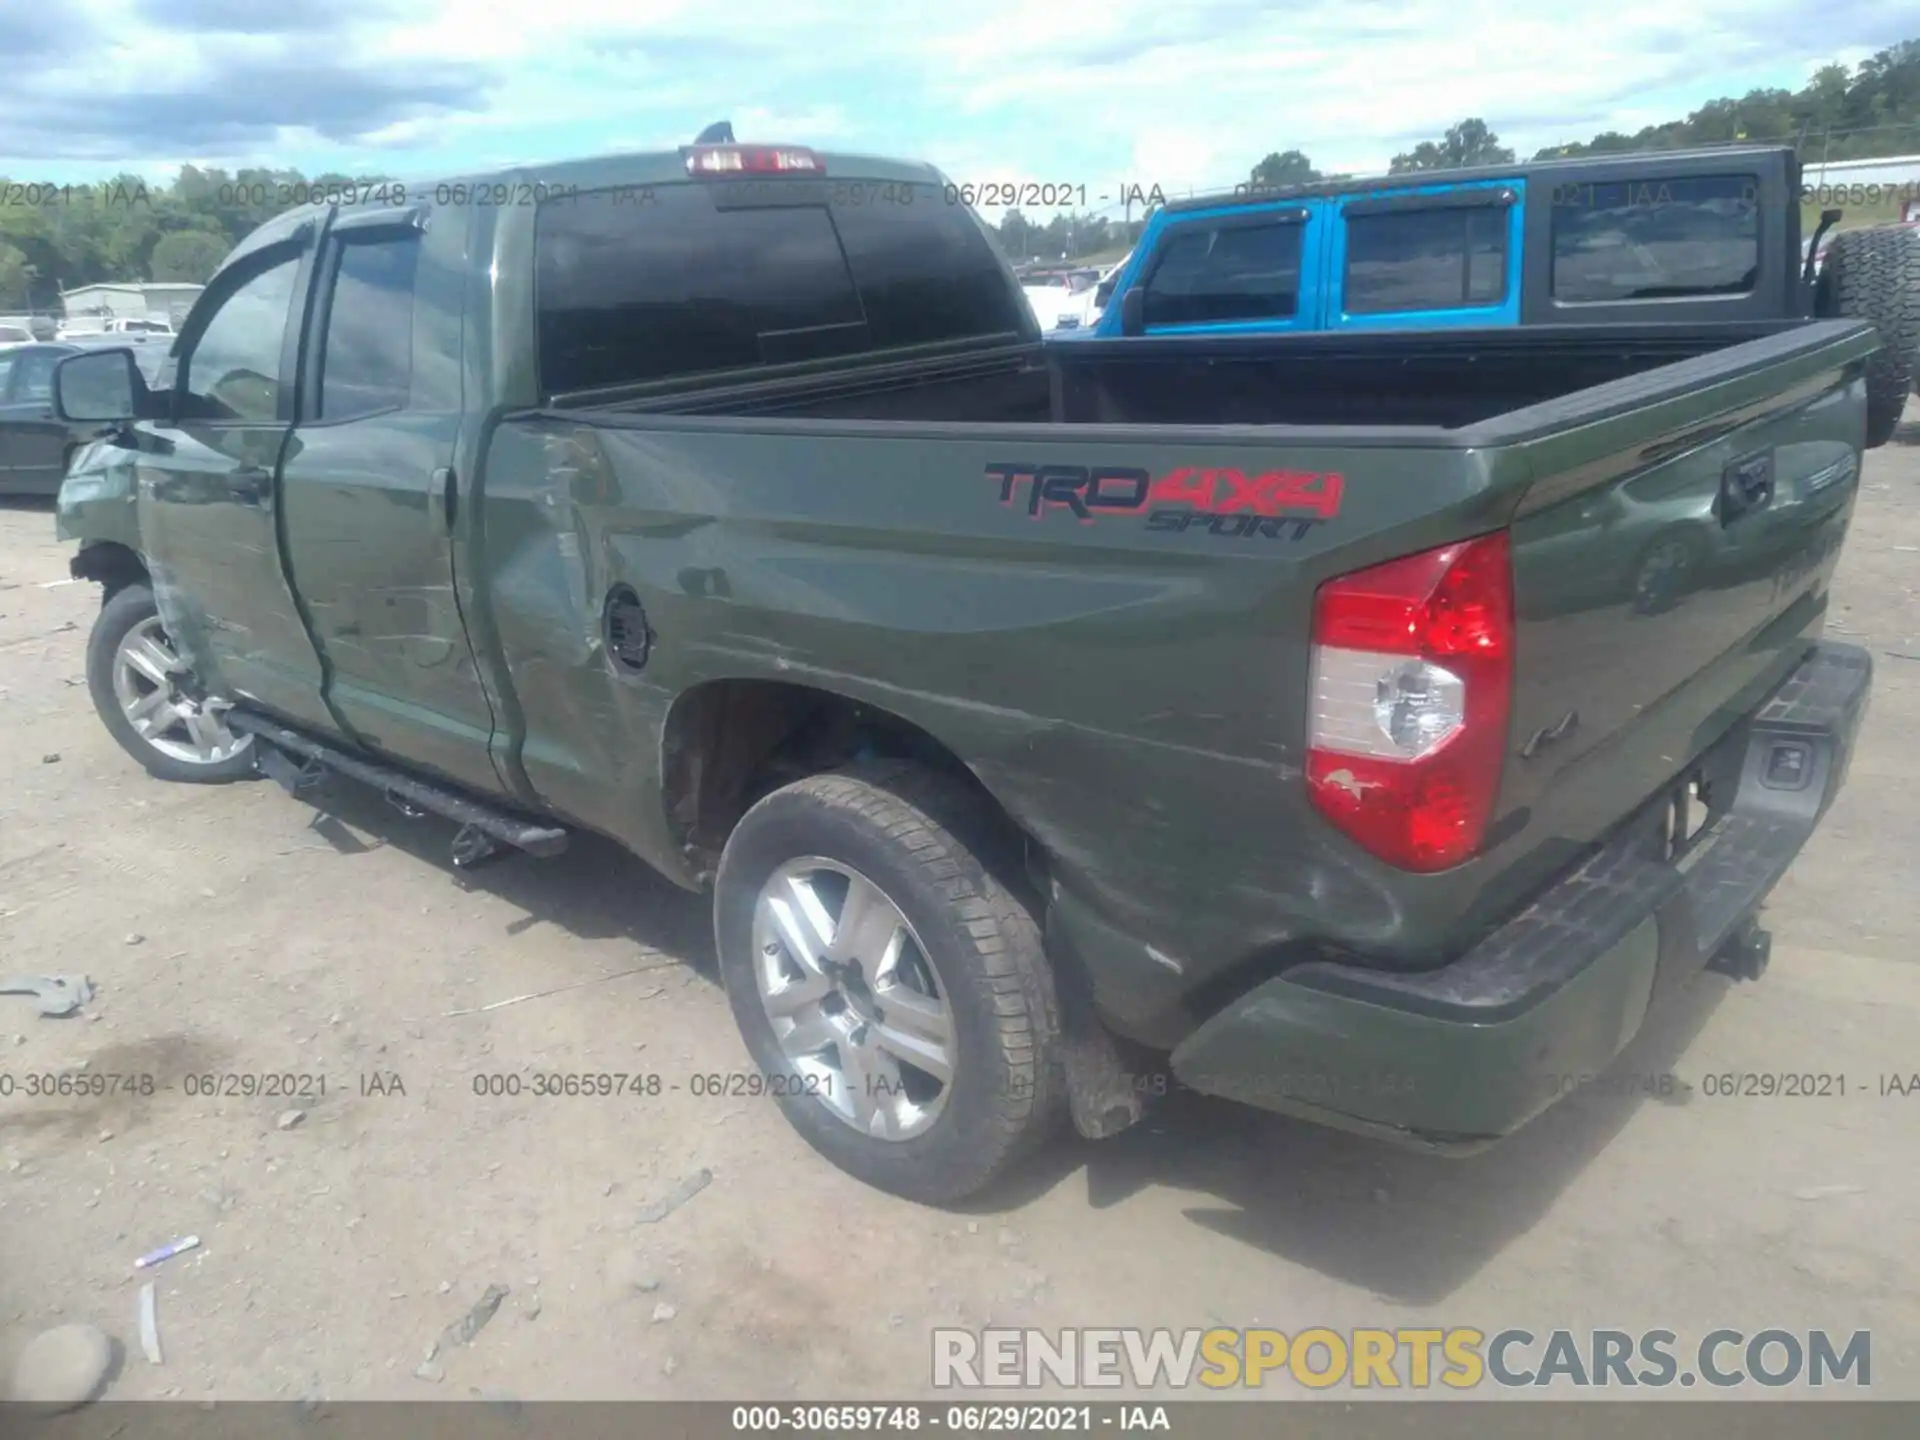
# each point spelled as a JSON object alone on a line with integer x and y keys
{"x": 139, "y": 300}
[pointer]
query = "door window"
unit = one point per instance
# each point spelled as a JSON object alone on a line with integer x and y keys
{"x": 366, "y": 363}
{"x": 1231, "y": 270}
{"x": 1437, "y": 259}
{"x": 33, "y": 376}
{"x": 233, "y": 371}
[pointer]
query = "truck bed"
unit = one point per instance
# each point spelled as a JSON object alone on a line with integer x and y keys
{"x": 1447, "y": 380}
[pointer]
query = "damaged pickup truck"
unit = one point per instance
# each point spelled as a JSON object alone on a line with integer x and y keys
{"x": 1369, "y": 727}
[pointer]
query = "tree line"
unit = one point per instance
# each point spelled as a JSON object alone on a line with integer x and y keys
{"x": 55, "y": 237}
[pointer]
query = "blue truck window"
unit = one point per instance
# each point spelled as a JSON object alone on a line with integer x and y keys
{"x": 1228, "y": 271}
{"x": 1656, "y": 239}
{"x": 1441, "y": 259}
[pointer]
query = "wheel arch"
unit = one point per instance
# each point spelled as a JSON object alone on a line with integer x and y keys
{"x": 114, "y": 565}
{"x": 726, "y": 743}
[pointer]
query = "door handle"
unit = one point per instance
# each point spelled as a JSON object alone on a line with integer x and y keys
{"x": 249, "y": 486}
{"x": 440, "y": 497}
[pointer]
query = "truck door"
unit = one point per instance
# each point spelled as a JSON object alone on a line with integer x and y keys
{"x": 208, "y": 476}
{"x": 1431, "y": 257}
{"x": 368, "y": 491}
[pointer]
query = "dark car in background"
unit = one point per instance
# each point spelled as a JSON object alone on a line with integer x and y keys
{"x": 35, "y": 445}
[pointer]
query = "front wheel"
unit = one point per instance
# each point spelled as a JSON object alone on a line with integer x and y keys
{"x": 151, "y": 702}
{"x": 894, "y": 994}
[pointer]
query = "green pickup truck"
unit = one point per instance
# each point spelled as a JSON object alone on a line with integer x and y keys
{"x": 1368, "y": 727}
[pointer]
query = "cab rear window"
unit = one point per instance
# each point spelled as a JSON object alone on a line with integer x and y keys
{"x": 1656, "y": 239}
{"x": 693, "y": 282}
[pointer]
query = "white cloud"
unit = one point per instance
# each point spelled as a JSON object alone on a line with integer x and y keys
{"x": 1091, "y": 92}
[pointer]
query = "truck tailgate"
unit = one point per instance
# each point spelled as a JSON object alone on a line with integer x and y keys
{"x": 1671, "y": 564}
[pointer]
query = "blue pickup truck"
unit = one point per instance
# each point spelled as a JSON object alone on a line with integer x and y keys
{"x": 1668, "y": 239}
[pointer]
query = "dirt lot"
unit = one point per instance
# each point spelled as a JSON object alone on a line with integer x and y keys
{"x": 234, "y": 931}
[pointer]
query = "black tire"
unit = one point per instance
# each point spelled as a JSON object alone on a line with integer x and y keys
{"x": 127, "y": 607}
{"x": 1874, "y": 274}
{"x": 890, "y": 822}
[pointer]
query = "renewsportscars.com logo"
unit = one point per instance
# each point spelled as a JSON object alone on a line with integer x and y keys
{"x": 1458, "y": 1358}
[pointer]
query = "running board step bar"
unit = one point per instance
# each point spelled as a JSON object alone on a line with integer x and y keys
{"x": 481, "y": 825}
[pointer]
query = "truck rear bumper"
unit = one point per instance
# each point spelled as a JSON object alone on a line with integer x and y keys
{"x": 1453, "y": 1058}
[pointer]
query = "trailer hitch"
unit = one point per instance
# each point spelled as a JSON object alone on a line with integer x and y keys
{"x": 1745, "y": 954}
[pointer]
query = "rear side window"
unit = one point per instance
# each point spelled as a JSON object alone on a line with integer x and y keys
{"x": 1655, "y": 239}
{"x": 33, "y": 379}
{"x": 1235, "y": 270}
{"x": 682, "y": 285}
{"x": 1426, "y": 259}
{"x": 366, "y": 361}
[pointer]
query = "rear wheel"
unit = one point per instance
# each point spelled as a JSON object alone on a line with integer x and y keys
{"x": 151, "y": 702}
{"x": 1874, "y": 274}
{"x": 895, "y": 994}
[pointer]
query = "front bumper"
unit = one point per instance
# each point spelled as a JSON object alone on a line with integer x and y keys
{"x": 1453, "y": 1058}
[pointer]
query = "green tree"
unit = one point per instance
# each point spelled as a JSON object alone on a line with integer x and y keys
{"x": 14, "y": 276}
{"x": 1468, "y": 143}
{"x": 1284, "y": 167}
{"x": 191, "y": 255}
{"x": 1016, "y": 235}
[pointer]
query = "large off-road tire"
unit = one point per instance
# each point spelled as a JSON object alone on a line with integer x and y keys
{"x": 895, "y": 993}
{"x": 148, "y": 699}
{"x": 1874, "y": 274}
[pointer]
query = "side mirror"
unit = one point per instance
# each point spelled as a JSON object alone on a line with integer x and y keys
{"x": 1133, "y": 312}
{"x": 1103, "y": 293}
{"x": 101, "y": 387}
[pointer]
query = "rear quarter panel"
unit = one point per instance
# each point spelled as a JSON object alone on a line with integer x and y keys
{"x": 1135, "y": 697}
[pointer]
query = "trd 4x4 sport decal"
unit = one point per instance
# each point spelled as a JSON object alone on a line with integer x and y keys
{"x": 1220, "y": 502}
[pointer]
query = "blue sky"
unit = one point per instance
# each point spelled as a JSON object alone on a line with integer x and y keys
{"x": 1095, "y": 94}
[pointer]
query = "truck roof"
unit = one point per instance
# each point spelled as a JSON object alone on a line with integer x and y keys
{"x": 1246, "y": 194}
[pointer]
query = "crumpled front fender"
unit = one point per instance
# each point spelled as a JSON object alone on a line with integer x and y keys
{"x": 98, "y": 499}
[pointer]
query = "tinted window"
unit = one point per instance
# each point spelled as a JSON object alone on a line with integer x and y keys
{"x": 366, "y": 362}
{"x": 1645, "y": 239}
{"x": 632, "y": 291}
{"x": 33, "y": 375}
{"x": 1226, "y": 272}
{"x": 926, "y": 272}
{"x": 234, "y": 370}
{"x": 1438, "y": 259}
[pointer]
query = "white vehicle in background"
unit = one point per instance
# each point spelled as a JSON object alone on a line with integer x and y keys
{"x": 1088, "y": 305}
{"x": 1057, "y": 297}
{"x": 113, "y": 325}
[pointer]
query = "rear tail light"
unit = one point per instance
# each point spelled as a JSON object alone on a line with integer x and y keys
{"x": 753, "y": 160}
{"x": 1412, "y": 681}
